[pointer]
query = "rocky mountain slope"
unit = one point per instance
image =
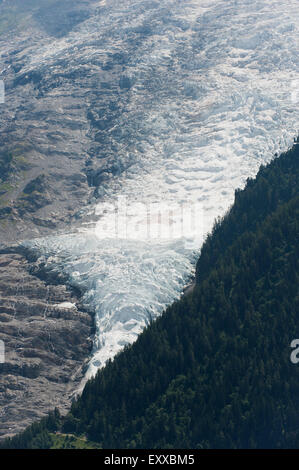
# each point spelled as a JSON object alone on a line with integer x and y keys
{"x": 47, "y": 339}
{"x": 44, "y": 128}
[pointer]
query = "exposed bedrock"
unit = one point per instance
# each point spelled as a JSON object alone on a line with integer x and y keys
{"x": 47, "y": 337}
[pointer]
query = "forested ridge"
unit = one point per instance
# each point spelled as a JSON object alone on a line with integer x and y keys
{"x": 214, "y": 370}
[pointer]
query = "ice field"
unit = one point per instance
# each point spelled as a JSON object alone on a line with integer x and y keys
{"x": 212, "y": 93}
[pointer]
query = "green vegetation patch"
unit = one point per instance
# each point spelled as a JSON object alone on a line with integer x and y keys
{"x": 70, "y": 441}
{"x": 13, "y": 161}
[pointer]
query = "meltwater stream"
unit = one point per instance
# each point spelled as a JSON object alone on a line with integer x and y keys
{"x": 212, "y": 94}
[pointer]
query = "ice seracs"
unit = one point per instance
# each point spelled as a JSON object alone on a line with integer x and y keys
{"x": 208, "y": 99}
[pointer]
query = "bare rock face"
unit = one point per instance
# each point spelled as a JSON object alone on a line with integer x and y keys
{"x": 47, "y": 338}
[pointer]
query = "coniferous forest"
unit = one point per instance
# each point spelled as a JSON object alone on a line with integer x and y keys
{"x": 214, "y": 371}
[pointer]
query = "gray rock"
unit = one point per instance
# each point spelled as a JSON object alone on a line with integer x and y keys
{"x": 46, "y": 344}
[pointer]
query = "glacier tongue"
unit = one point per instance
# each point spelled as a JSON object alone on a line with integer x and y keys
{"x": 212, "y": 92}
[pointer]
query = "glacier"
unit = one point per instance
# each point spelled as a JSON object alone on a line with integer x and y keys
{"x": 211, "y": 93}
